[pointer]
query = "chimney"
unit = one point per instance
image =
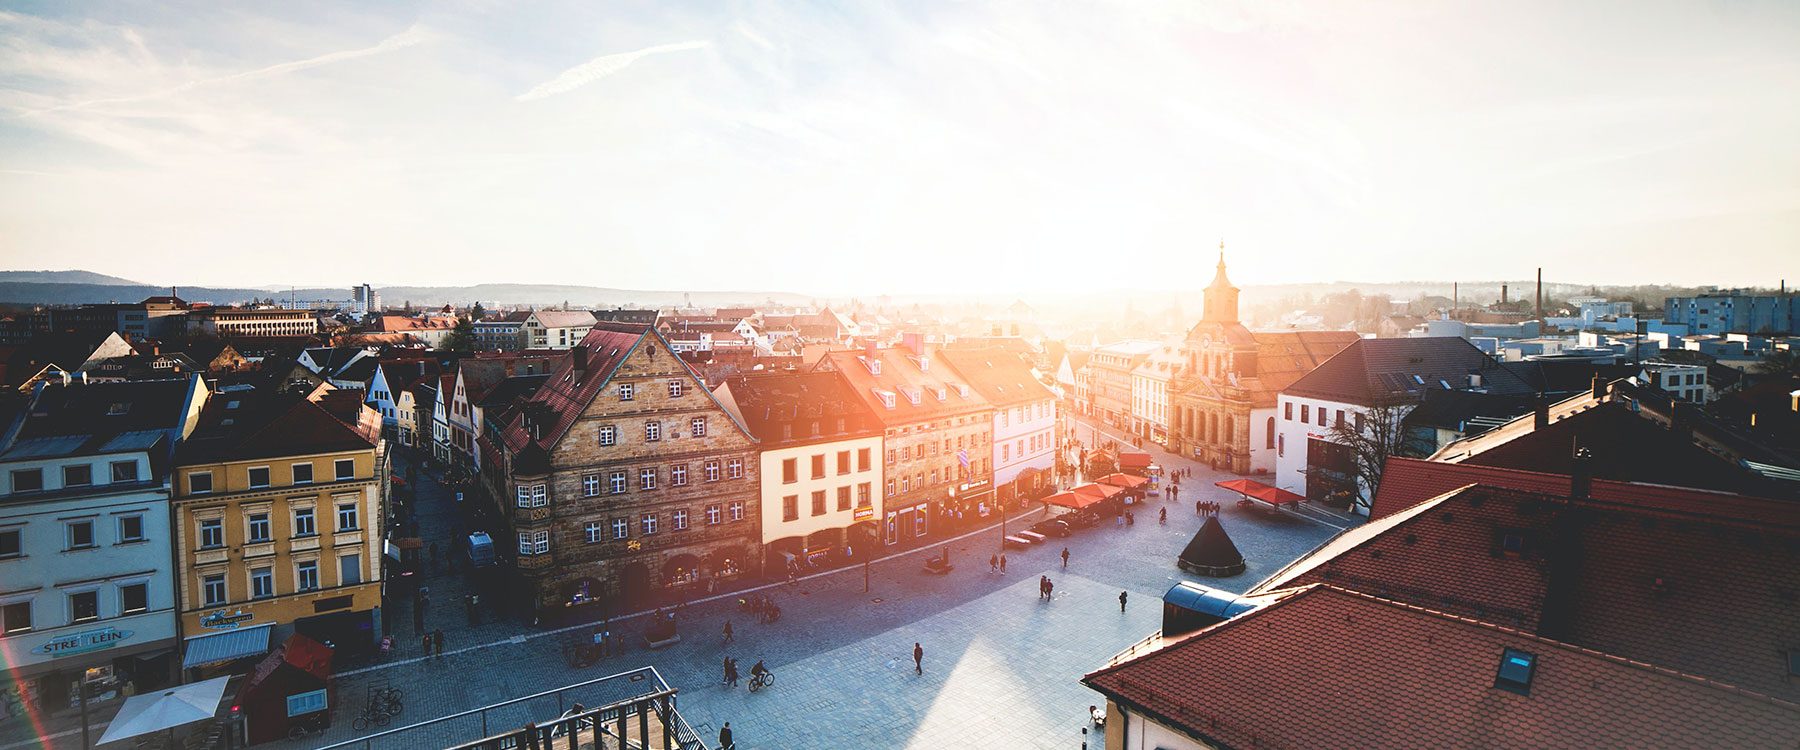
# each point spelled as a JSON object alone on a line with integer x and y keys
{"x": 1540, "y": 294}
{"x": 1599, "y": 386}
{"x": 1502, "y": 295}
{"x": 1581, "y": 474}
{"x": 913, "y": 341}
{"x": 578, "y": 357}
{"x": 870, "y": 350}
{"x": 1540, "y": 418}
{"x": 1455, "y": 298}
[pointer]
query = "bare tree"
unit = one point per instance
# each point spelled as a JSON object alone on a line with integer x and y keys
{"x": 1362, "y": 445}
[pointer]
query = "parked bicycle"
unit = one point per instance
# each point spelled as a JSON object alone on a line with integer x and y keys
{"x": 387, "y": 699}
{"x": 313, "y": 723}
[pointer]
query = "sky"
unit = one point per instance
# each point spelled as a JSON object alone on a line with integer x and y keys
{"x": 907, "y": 147}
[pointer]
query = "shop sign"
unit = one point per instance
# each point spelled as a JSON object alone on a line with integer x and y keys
{"x": 966, "y": 486}
{"x": 1315, "y": 436}
{"x": 863, "y": 513}
{"x": 81, "y": 643}
{"x": 221, "y": 620}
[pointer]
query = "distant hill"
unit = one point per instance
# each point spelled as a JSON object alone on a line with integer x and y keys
{"x": 65, "y": 277}
{"x": 24, "y": 287}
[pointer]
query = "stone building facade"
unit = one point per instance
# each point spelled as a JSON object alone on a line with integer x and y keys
{"x": 623, "y": 479}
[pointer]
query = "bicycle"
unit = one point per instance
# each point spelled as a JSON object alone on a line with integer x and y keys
{"x": 374, "y": 713}
{"x": 761, "y": 681}
{"x": 310, "y": 724}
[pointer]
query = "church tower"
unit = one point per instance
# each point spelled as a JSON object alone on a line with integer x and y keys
{"x": 1221, "y": 302}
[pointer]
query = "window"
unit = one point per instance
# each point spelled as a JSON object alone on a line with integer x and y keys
{"x": 678, "y": 475}
{"x": 198, "y": 482}
{"x": 346, "y": 517}
{"x": 1270, "y": 435}
{"x": 259, "y": 527}
{"x": 124, "y": 471}
{"x": 303, "y": 522}
{"x": 1321, "y": 416}
{"x": 608, "y": 435}
{"x": 890, "y": 456}
{"x": 301, "y": 704}
{"x": 81, "y": 534}
{"x": 843, "y": 494}
{"x": 818, "y": 466}
{"x": 1515, "y": 671}
{"x": 1340, "y": 419}
{"x": 84, "y": 606}
{"x": 1005, "y": 452}
{"x": 592, "y": 532}
{"x": 212, "y": 589}
{"x": 790, "y": 507}
{"x": 862, "y": 459}
{"x": 711, "y": 470}
{"x": 818, "y": 502}
{"x": 648, "y": 524}
{"x": 697, "y": 425}
{"x": 10, "y": 544}
{"x": 890, "y": 489}
{"x": 345, "y": 468}
{"x": 737, "y": 510}
{"x": 27, "y": 480}
{"x": 790, "y": 470}
{"x": 79, "y": 475}
{"x": 303, "y": 473}
{"x": 734, "y": 468}
{"x": 712, "y": 515}
{"x": 534, "y": 542}
{"x": 616, "y": 482}
{"x": 15, "y": 618}
{"x": 620, "y": 528}
{"x": 1305, "y": 414}
{"x": 906, "y": 453}
{"x": 674, "y": 389}
{"x": 262, "y": 583}
{"x": 349, "y": 570}
{"x": 646, "y": 479}
{"x": 590, "y": 485}
{"x": 307, "y": 575}
{"x": 1359, "y": 421}
{"x": 862, "y": 495}
{"x": 905, "y": 484}
{"x": 843, "y": 462}
{"x": 680, "y": 517}
{"x": 539, "y": 494}
{"x": 131, "y": 529}
{"x": 652, "y": 431}
{"x": 134, "y": 598}
{"x": 625, "y": 391}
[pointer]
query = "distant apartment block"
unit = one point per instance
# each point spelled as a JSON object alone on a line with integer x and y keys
{"x": 1734, "y": 312}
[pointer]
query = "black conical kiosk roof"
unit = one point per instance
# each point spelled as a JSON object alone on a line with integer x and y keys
{"x": 1211, "y": 552}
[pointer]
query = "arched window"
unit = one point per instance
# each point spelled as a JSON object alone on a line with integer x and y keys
{"x": 1230, "y": 435}
{"x": 1271, "y": 435}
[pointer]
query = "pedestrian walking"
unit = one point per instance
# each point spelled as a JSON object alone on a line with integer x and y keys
{"x": 437, "y": 642}
{"x": 469, "y": 603}
{"x": 425, "y": 642}
{"x": 1065, "y": 557}
{"x": 1049, "y": 588}
{"x": 725, "y": 737}
{"x": 731, "y": 673}
{"x": 1043, "y": 583}
{"x": 1197, "y": 507}
{"x": 728, "y": 637}
{"x": 1003, "y": 565}
{"x": 918, "y": 658}
{"x": 1121, "y": 602}
{"x": 993, "y": 563}
{"x": 725, "y": 671}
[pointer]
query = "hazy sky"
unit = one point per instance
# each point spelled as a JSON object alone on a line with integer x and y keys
{"x": 910, "y": 146}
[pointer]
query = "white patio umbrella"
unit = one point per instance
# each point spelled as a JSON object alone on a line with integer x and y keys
{"x": 166, "y": 709}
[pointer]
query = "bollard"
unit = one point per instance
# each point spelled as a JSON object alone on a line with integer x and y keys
{"x": 1084, "y": 738}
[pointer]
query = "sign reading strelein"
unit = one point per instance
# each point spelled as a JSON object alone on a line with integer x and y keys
{"x": 81, "y": 643}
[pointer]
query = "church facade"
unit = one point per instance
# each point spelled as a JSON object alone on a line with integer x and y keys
{"x": 1223, "y": 404}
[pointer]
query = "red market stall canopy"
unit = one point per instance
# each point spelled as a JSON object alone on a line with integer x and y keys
{"x": 1134, "y": 460}
{"x": 1098, "y": 491}
{"x": 1123, "y": 480}
{"x": 1071, "y": 500}
{"x": 1255, "y": 490}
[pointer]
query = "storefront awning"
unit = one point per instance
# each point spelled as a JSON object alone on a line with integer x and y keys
{"x": 230, "y": 645}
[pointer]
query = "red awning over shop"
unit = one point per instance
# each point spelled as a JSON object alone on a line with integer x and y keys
{"x": 1123, "y": 480}
{"x": 1071, "y": 500}
{"x": 1258, "y": 491}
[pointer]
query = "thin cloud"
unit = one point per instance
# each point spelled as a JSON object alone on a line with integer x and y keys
{"x": 598, "y": 68}
{"x": 399, "y": 41}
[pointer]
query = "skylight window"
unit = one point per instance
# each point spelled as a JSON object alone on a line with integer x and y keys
{"x": 1516, "y": 668}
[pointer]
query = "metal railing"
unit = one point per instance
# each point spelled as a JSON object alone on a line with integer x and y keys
{"x": 639, "y": 693}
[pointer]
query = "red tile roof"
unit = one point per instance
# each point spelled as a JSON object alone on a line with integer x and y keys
{"x": 900, "y": 374}
{"x": 1002, "y": 377}
{"x": 1406, "y": 482}
{"x": 1332, "y": 668}
{"x": 1693, "y": 580}
{"x": 564, "y": 396}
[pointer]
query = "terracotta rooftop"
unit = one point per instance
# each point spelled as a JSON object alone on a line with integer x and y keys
{"x": 1692, "y": 580}
{"x": 1001, "y": 376}
{"x": 564, "y": 396}
{"x": 900, "y": 375}
{"x": 1372, "y": 368}
{"x": 1332, "y": 668}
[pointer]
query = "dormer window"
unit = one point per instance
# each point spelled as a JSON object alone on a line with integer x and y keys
{"x": 940, "y": 393}
{"x": 923, "y": 363}
{"x": 1516, "y": 668}
{"x": 961, "y": 390}
{"x": 874, "y": 365}
{"x": 887, "y": 397}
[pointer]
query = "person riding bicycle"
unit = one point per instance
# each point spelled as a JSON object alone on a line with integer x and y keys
{"x": 757, "y": 672}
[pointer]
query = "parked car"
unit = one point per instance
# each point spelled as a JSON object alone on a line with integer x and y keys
{"x": 1052, "y": 527}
